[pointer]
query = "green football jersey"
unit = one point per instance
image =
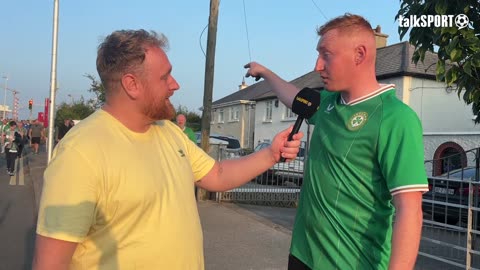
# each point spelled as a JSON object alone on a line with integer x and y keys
{"x": 361, "y": 154}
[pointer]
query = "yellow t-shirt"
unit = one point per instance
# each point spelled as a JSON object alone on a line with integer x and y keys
{"x": 126, "y": 198}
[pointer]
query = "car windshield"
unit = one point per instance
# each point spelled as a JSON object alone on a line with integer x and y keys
{"x": 233, "y": 143}
{"x": 466, "y": 173}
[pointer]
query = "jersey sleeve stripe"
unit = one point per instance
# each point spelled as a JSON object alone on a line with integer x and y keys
{"x": 409, "y": 188}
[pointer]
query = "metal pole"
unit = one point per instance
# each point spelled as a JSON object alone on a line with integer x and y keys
{"x": 5, "y": 96}
{"x": 468, "y": 259}
{"x": 14, "y": 108}
{"x": 53, "y": 81}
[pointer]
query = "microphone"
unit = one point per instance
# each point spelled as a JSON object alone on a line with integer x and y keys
{"x": 305, "y": 104}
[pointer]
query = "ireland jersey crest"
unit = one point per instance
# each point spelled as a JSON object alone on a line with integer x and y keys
{"x": 357, "y": 121}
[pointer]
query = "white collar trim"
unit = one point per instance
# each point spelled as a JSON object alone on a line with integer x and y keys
{"x": 383, "y": 88}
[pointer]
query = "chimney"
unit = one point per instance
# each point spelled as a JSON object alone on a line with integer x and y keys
{"x": 380, "y": 38}
{"x": 243, "y": 85}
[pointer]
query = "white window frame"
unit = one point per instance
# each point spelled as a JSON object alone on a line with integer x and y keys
{"x": 212, "y": 119}
{"x": 236, "y": 114}
{"x": 233, "y": 115}
{"x": 288, "y": 114}
{"x": 221, "y": 116}
{"x": 268, "y": 111}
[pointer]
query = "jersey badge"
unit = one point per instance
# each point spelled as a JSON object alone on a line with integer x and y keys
{"x": 357, "y": 121}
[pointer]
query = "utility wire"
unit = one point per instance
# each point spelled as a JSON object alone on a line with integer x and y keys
{"x": 319, "y": 9}
{"x": 200, "y": 40}
{"x": 201, "y": 34}
{"x": 246, "y": 29}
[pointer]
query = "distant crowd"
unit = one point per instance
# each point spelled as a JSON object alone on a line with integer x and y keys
{"x": 16, "y": 134}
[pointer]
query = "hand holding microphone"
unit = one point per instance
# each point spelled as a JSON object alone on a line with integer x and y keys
{"x": 305, "y": 104}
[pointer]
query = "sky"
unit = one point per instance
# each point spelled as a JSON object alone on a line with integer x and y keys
{"x": 279, "y": 34}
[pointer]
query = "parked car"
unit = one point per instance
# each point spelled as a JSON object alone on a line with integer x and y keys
{"x": 283, "y": 173}
{"x": 233, "y": 144}
{"x": 452, "y": 188}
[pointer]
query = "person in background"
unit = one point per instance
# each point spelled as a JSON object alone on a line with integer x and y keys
{"x": 22, "y": 131}
{"x": 365, "y": 161}
{"x": 182, "y": 123}
{"x": 12, "y": 139}
{"x": 4, "y": 128}
{"x": 37, "y": 134}
{"x": 63, "y": 129}
{"x": 102, "y": 208}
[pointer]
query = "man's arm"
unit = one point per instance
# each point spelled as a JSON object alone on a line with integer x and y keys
{"x": 51, "y": 253}
{"x": 231, "y": 173}
{"x": 285, "y": 91}
{"x": 407, "y": 230}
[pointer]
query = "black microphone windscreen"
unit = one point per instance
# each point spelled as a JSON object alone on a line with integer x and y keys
{"x": 306, "y": 102}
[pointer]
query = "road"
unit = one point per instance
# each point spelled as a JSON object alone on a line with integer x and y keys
{"x": 17, "y": 215}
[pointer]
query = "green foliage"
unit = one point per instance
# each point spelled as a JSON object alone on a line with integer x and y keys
{"x": 96, "y": 87}
{"x": 458, "y": 49}
{"x": 77, "y": 111}
{"x": 194, "y": 119}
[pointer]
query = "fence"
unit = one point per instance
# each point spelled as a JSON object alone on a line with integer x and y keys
{"x": 451, "y": 225}
{"x": 278, "y": 186}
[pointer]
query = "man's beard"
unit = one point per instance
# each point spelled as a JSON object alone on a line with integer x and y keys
{"x": 156, "y": 111}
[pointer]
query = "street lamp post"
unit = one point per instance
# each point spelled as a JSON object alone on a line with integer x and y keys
{"x": 15, "y": 105}
{"x": 5, "y": 95}
{"x": 53, "y": 81}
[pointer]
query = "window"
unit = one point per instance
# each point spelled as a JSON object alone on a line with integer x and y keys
{"x": 288, "y": 113}
{"x": 234, "y": 114}
{"x": 268, "y": 111}
{"x": 220, "y": 116}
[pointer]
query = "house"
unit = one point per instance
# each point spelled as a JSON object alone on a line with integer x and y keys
{"x": 448, "y": 126}
{"x": 234, "y": 114}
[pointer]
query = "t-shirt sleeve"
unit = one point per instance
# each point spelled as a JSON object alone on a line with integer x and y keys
{"x": 69, "y": 197}
{"x": 401, "y": 152}
{"x": 200, "y": 161}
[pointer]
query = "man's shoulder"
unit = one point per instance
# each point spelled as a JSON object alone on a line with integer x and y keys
{"x": 394, "y": 106}
{"x": 92, "y": 126}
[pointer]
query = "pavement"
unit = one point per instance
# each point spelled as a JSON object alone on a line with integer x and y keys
{"x": 236, "y": 236}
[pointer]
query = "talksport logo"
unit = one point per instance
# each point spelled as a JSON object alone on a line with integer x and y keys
{"x": 460, "y": 21}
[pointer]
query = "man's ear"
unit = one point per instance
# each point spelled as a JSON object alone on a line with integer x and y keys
{"x": 131, "y": 85}
{"x": 360, "y": 54}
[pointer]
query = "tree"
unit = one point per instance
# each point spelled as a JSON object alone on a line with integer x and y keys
{"x": 78, "y": 110}
{"x": 97, "y": 88}
{"x": 458, "y": 49}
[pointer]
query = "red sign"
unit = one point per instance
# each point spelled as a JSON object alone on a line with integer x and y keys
{"x": 45, "y": 118}
{"x": 40, "y": 117}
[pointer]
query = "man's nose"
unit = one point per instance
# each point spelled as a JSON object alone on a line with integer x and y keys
{"x": 174, "y": 84}
{"x": 319, "y": 65}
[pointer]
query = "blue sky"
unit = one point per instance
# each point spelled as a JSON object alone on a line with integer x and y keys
{"x": 281, "y": 35}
